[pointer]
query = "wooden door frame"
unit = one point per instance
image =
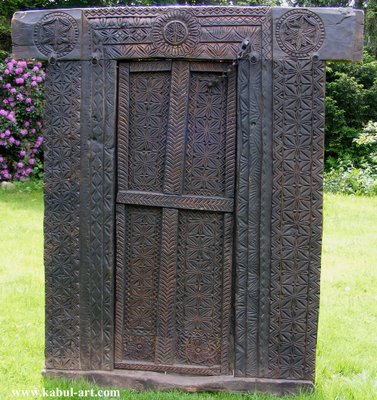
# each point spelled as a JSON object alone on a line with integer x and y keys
{"x": 279, "y": 183}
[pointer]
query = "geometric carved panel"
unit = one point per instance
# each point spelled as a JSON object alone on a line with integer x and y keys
{"x": 196, "y": 33}
{"x": 199, "y": 288}
{"x": 149, "y": 107}
{"x": 296, "y": 216}
{"x": 205, "y": 156}
{"x": 141, "y": 272}
{"x": 179, "y": 186}
{"x": 300, "y": 32}
{"x": 61, "y": 222}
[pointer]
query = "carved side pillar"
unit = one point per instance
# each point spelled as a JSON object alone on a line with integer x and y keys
{"x": 296, "y": 222}
{"x": 62, "y": 214}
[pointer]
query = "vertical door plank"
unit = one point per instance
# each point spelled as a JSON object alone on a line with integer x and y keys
{"x": 230, "y": 137}
{"x": 120, "y": 226}
{"x": 175, "y": 146}
{"x": 123, "y": 124}
{"x": 227, "y": 293}
{"x": 174, "y": 164}
{"x": 165, "y": 345}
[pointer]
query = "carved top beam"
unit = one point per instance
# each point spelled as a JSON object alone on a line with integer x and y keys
{"x": 188, "y": 32}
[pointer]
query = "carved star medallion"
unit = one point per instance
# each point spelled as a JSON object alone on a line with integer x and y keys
{"x": 56, "y": 33}
{"x": 300, "y": 32}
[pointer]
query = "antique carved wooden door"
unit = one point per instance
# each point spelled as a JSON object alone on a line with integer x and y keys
{"x": 176, "y": 174}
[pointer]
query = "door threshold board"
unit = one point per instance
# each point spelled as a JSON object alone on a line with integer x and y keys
{"x": 146, "y": 380}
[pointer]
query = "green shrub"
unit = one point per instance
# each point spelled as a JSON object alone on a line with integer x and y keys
{"x": 348, "y": 179}
{"x": 351, "y": 98}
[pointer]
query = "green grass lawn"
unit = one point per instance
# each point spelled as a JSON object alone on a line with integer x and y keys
{"x": 347, "y": 341}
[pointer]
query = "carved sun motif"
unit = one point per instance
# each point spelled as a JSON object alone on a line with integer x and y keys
{"x": 56, "y": 33}
{"x": 299, "y": 32}
{"x": 175, "y": 34}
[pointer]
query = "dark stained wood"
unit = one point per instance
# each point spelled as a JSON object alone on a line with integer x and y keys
{"x": 175, "y": 283}
{"x": 147, "y": 380}
{"x": 183, "y": 191}
{"x": 200, "y": 32}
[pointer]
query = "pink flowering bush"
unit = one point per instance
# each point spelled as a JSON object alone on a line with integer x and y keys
{"x": 21, "y": 111}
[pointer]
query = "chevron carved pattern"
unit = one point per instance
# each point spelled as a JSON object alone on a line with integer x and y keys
{"x": 165, "y": 348}
{"x": 119, "y": 280}
{"x": 226, "y": 328}
{"x": 177, "y": 128}
{"x": 110, "y": 70}
{"x": 123, "y": 125}
{"x": 230, "y": 136}
{"x": 175, "y": 201}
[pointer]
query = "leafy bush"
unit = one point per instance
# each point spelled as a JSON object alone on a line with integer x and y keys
{"x": 351, "y": 98}
{"x": 369, "y": 137}
{"x": 21, "y": 110}
{"x": 362, "y": 179}
{"x": 348, "y": 179}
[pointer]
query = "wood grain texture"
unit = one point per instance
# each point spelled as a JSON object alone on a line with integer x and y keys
{"x": 147, "y": 380}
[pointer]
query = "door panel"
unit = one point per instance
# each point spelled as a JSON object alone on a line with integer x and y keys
{"x": 141, "y": 275}
{"x": 205, "y": 149}
{"x": 176, "y": 163}
{"x": 198, "y": 294}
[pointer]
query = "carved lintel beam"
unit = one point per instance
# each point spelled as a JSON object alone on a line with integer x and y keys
{"x": 322, "y": 33}
{"x": 195, "y": 32}
{"x": 44, "y": 34}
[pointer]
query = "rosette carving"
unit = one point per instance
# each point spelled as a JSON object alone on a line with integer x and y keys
{"x": 175, "y": 34}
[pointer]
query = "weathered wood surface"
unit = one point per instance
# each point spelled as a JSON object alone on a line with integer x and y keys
{"x": 141, "y": 380}
{"x": 167, "y": 157}
{"x": 195, "y": 32}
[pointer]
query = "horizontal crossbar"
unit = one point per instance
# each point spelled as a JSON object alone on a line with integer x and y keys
{"x": 204, "y": 203}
